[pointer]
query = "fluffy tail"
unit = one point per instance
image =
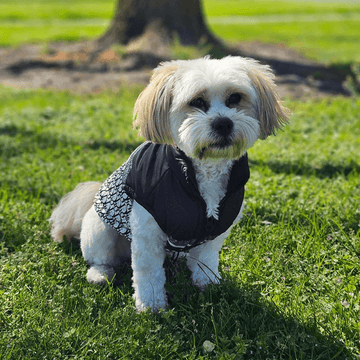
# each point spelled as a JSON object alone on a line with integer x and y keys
{"x": 67, "y": 217}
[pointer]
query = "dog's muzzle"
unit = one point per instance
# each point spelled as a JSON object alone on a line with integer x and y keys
{"x": 220, "y": 138}
{"x": 222, "y": 126}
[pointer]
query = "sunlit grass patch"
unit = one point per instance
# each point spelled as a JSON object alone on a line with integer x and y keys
{"x": 282, "y": 7}
{"x": 325, "y": 41}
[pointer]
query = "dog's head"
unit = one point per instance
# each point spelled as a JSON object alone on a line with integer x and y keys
{"x": 210, "y": 108}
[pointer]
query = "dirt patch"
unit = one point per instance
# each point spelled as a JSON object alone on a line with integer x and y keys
{"x": 63, "y": 66}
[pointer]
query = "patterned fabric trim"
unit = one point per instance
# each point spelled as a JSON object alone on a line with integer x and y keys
{"x": 112, "y": 203}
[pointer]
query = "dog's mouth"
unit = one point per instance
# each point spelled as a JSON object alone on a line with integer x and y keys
{"x": 221, "y": 145}
{"x": 224, "y": 148}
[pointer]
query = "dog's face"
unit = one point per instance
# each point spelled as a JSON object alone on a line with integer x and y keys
{"x": 210, "y": 108}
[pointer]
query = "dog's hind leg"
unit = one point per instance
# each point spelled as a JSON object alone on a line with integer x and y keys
{"x": 102, "y": 247}
{"x": 67, "y": 216}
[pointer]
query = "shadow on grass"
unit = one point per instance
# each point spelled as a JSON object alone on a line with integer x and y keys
{"x": 32, "y": 141}
{"x": 243, "y": 322}
{"x": 325, "y": 170}
{"x": 237, "y": 321}
{"x": 240, "y": 322}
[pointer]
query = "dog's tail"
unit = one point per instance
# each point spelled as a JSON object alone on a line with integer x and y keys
{"x": 67, "y": 216}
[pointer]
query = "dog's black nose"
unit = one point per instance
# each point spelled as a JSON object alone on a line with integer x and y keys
{"x": 222, "y": 126}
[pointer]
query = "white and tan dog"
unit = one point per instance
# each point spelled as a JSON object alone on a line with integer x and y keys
{"x": 182, "y": 189}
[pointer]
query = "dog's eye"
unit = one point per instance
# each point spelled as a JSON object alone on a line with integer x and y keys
{"x": 200, "y": 104}
{"x": 233, "y": 100}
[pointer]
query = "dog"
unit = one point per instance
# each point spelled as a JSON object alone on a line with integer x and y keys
{"x": 182, "y": 189}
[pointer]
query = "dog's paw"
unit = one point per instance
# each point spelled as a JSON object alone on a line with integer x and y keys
{"x": 155, "y": 308}
{"x": 201, "y": 278}
{"x": 155, "y": 305}
{"x": 100, "y": 274}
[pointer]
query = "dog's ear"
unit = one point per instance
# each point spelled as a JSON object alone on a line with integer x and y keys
{"x": 270, "y": 111}
{"x": 151, "y": 111}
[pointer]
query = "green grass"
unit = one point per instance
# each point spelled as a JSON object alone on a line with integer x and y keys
{"x": 290, "y": 269}
{"x": 271, "y": 7}
{"x": 55, "y": 9}
{"x": 83, "y": 9}
{"x": 325, "y": 31}
{"x": 329, "y": 42}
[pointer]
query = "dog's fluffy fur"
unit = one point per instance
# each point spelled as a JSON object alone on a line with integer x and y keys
{"x": 179, "y": 107}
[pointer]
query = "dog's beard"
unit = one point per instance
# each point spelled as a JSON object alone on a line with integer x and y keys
{"x": 198, "y": 140}
{"x": 219, "y": 151}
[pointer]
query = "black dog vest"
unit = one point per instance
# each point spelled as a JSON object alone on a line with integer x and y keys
{"x": 162, "y": 179}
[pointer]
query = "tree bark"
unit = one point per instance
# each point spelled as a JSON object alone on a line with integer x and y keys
{"x": 149, "y": 26}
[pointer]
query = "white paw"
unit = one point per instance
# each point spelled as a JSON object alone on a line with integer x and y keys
{"x": 154, "y": 308}
{"x": 155, "y": 303}
{"x": 201, "y": 278}
{"x": 100, "y": 274}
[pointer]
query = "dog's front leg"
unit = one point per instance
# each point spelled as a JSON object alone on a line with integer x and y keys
{"x": 147, "y": 260}
{"x": 203, "y": 262}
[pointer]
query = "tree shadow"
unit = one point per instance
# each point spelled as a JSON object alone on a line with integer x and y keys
{"x": 327, "y": 79}
{"x": 32, "y": 141}
{"x": 326, "y": 170}
{"x": 25, "y": 65}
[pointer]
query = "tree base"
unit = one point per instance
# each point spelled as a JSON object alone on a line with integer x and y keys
{"x": 149, "y": 27}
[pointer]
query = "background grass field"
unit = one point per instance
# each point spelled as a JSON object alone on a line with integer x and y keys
{"x": 328, "y": 31}
{"x": 290, "y": 269}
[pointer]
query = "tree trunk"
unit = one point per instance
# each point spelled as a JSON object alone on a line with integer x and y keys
{"x": 149, "y": 26}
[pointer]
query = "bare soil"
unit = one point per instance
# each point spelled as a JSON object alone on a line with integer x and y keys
{"x": 64, "y": 66}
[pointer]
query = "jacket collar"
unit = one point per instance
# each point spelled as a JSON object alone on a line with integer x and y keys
{"x": 182, "y": 166}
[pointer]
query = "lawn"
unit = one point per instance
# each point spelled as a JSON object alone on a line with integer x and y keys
{"x": 290, "y": 268}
